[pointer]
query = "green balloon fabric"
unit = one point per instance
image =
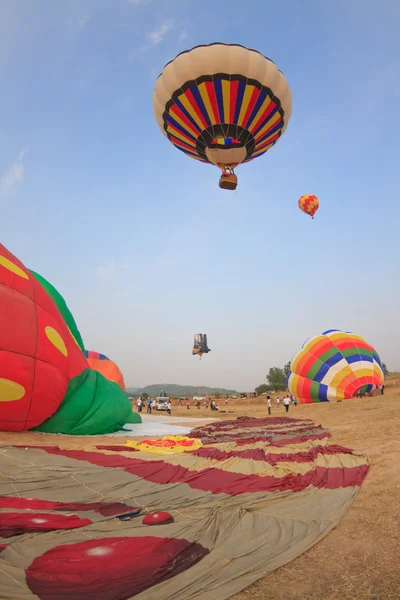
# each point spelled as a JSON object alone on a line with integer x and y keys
{"x": 92, "y": 406}
{"x": 62, "y": 307}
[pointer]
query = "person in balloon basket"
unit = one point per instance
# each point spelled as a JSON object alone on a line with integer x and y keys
{"x": 286, "y": 403}
{"x": 269, "y": 404}
{"x": 227, "y": 172}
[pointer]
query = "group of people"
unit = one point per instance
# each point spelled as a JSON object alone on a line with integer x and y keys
{"x": 151, "y": 405}
{"x": 287, "y": 401}
{"x": 207, "y": 405}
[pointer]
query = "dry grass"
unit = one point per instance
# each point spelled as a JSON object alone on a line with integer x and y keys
{"x": 360, "y": 559}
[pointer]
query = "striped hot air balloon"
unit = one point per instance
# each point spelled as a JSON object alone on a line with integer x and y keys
{"x": 222, "y": 104}
{"x": 335, "y": 365}
{"x": 309, "y": 204}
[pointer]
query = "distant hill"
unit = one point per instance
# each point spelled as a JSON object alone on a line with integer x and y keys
{"x": 173, "y": 389}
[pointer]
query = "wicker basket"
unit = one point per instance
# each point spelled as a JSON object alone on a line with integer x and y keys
{"x": 228, "y": 182}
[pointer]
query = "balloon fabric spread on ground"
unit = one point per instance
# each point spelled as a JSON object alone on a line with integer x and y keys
{"x": 335, "y": 365}
{"x": 45, "y": 380}
{"x": 168, "y": 444}
{"x": 255, "y": 495}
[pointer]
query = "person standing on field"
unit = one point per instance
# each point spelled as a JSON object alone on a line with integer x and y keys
{"x": 286, "y": 402}
{"x": 269, "y": 404}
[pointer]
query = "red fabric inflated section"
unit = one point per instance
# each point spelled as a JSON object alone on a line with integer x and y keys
{"x": 38, "y": 355}
{"x": 107, "y": 509}
{"x": 159, "y": 518}
{"x": 12, "y": 524}
{"x": 114, "y": 568}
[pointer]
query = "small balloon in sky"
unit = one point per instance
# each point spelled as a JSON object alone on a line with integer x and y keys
{"x": 309, "y": 204}
{"x": 200, "y": 346}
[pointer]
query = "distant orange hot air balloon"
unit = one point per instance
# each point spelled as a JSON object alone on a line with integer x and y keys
{"x": 309, "y": 204}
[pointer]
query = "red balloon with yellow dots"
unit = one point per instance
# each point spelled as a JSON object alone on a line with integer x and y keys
{"x": 38, "y": 354}
{"x": 309, "y": 204}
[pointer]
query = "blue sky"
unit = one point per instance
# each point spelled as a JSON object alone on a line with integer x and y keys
{"x": 140, "y": 240}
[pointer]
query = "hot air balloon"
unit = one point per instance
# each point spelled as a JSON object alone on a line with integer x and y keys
{"x": 309, "y": 204}
{"x": 200, "y": 344}
{"x": 335, "y": 365}
{"x": 46, "y": 383}
{"x": 222, "y": 104}
{"x": 105, "y": 366}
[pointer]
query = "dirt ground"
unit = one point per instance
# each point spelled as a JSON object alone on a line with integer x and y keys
{"x": 360, "y": 559}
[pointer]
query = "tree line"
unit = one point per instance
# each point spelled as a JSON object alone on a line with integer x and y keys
{"x": 276, "y": 380}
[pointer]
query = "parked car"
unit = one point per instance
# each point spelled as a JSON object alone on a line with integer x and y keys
{"x": 161, "y": 403}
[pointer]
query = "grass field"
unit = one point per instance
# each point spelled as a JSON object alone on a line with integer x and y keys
{"x": 360, "y": 559}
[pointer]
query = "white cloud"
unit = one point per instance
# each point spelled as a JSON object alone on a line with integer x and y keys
{"x": 158, "y": 34}
{"x": 108, "y": 271}
{"x": 13, "y": 176}
{"x": 84, "y": 21}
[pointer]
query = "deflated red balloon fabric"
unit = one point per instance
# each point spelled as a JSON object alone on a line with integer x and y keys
{"x": 115, "y": 568}
{"x": 12, "y": 524}
{"x": 158, "y": 518}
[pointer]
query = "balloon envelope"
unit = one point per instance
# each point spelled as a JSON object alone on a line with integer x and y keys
{"x": 309, "y": 204}
{"x": 105, "y": 366}
{"x": 222, "y": 104}
{"x": 334, "y": 366}
{"x": 45, "y": 380}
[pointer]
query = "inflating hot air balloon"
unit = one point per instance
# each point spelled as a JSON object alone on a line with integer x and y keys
{"x": 309, "y": 204}
{"x": 200, "y": 344}
{"x": 105, "y": 366}
{"x": 222, "y": 104}
{"x": 46, "y": 383}
{"x": 334, "y": 366}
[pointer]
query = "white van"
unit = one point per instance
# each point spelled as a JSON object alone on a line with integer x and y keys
{"x": 161, "y": 403}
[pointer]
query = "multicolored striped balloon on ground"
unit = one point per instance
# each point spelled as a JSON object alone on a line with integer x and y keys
{"x": 334, "y": 366}
{"x": 309, "y": 204}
